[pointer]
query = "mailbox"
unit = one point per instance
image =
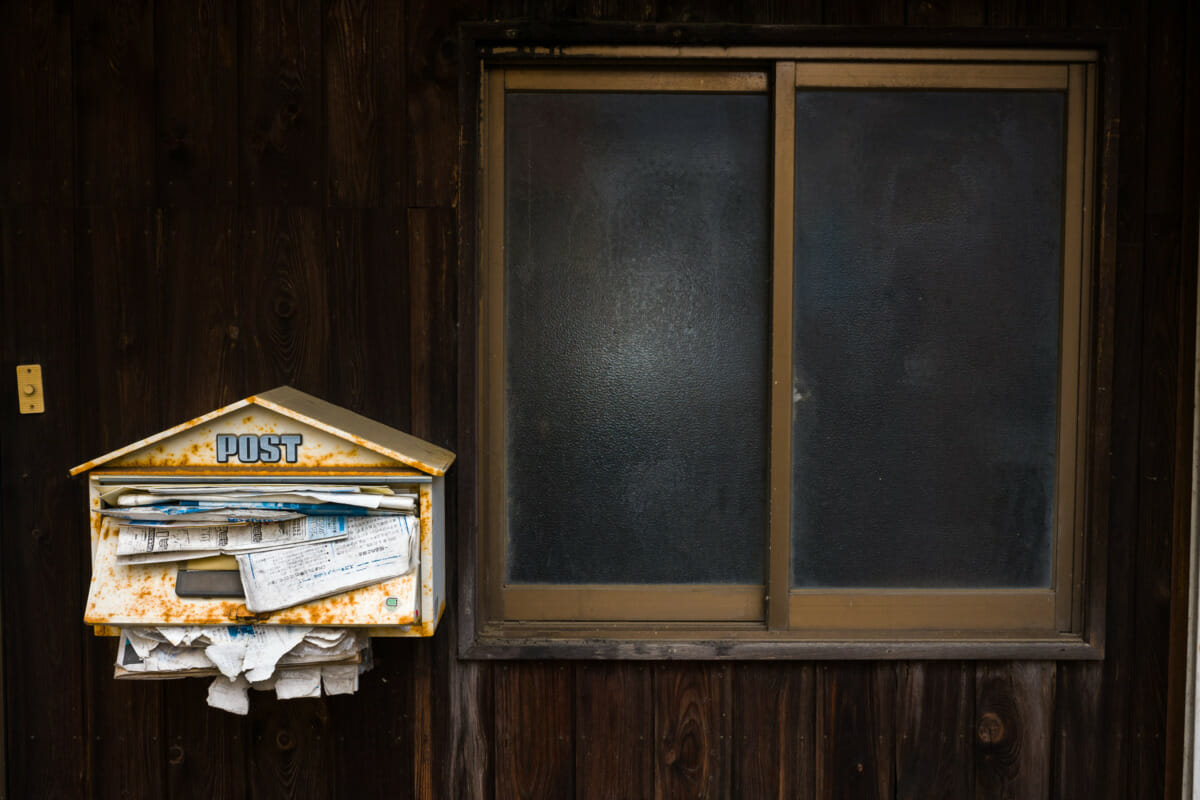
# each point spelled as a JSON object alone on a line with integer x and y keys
{"x": 284, "y": 438}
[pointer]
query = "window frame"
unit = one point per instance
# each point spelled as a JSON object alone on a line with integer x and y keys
{"x": 610, "y": 619}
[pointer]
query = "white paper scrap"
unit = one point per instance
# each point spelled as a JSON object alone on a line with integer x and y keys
{"x": 375, "y": 549}
{"x": 229, "y": 695}
{"x": 340, "y": 678}
{"x": 292, "y": 683}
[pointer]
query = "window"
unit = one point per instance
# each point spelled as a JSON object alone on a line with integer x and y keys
{"x": 787, "y": 346}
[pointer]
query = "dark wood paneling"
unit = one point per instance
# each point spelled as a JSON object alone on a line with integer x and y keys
{"x": 114, "y": 104}
{"x": 1160, "y": 380}
{"x": 692, "y": 730}
{"x": 291, "y": 749}
{"x": 864, "y": 12}
{"x": 197, "y": 114}
{"x": 205, "y": 749}
{"x": 431, "y": 47}
{"x": 935, "y": 705}
{"x": 279, "y": 103}
{"x": 773, "y": 735}
{"x": 119, "y": 268}
{"x": 366, "y": 289}
{"x": 1027, "y": 13}
{"x": 45, "y": 541}
{"x": 614, "y": 731}
{"x": 36, "y": 140}
{"x": 365, "y": 93}
{"x": 855, "y": 722}
{"x": 945, "y": 12}
{"x": 534, "y": 734}
{"x": 283, "y": 280}
{"x": 1014, "y": 706}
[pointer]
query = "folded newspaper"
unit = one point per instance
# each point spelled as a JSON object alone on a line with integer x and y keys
{"x": 374, "y": 549}
{"x": 136, "y": 545}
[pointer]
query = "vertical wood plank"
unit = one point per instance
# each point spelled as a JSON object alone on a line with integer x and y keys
{"x": 1027, "y": 13}
{"x": 692, "y": 718}
{"x": 945, "y": 12}
{"x": 431, "y": 44}
{"x": 36, "y": 142}
{"x": 1014, "y": 709}
{"x": 280, "y": 152}
{"x": 291, "y": 750}
{"x": 205, "y": 754}
{"x": 372, "y": 730}
{"x": 1179, "y": 682}
{"x": 119, "y": 266}
{"x": 774, "y": 717}
{"x": 855, "y": 716}
{"x": 614, "y": 731}
{"x": 44, "y": 553}
{"x": 935, "y": 713}
{"x": 197, "y": 119}
{"x": 286, "y": 315}
{"x": 367, "y": 285}
{"x": 1160, "y": 388}
{"x": 534, "y": 732}
{"x": 864, "y": 12}
{"x": 114, "y": 102}
{"x": 364, "y": 103}
{"x": 198, "y": 369}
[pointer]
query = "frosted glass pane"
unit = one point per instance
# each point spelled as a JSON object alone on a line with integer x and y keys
{"x": 636, "y": 316}
{"x": 928, "y": 250}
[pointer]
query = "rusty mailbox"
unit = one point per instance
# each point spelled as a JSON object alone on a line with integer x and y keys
{"x": 284, "y": 438}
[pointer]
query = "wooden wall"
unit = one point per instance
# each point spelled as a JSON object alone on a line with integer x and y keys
{"x": 206, "y": 198}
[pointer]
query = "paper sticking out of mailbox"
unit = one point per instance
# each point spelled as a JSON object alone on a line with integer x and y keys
{"x": 295, "y": 661}
{"x": 375, "y": 549}
{"x": 137, "y": 545}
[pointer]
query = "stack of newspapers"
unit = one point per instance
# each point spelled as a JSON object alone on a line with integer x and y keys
{"x": 296, "y": 661}
{"x": 293, "y": 542}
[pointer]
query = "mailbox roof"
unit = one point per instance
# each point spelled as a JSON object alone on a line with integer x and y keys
{"x": 335, "y": 420}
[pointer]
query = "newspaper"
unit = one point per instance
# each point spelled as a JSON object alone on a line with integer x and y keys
{"x": 375, "y": 549}
{"x": 171, "y": 544}
{"x": 295, "y": 661}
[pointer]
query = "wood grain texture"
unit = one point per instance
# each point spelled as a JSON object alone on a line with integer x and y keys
{"x": 114, "y": 105}
{"x": 855, "y": 722}
{"x": 197, "y": 115}
{"x": 36, "y": 98}
{"x": 119, "y": 263}
{"x": 364, "y": 103}
{"x": 365, "y": 285}
{"x": 44, "y": 557}
{"x": 431, "y": 67}
{"x": 280, "y": 152}
{"x": 375, "y": 726}
{"x": 945, "y": 12}
{"x": 283, "y": 280}
{"x": 864, "y": 12}
{"x": 534, "y": 733}
{"x": 1027, "y": 13}
{"x": 204, "y": 752}
{"x": 692, "y": 730}
{"x": 774, "y": 726}
{"x": 935, "y": 714}
{"x": 614, "y": 731}
{"x": 290, "y": 753}
{"x": 1013, "y": 723}
{"x": 1160, "y": 387}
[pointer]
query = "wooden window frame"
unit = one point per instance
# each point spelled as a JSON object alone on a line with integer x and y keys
{"x": 698, "y": 621}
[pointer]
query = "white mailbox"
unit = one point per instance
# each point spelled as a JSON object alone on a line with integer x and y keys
{"x": 296, "y": 443}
